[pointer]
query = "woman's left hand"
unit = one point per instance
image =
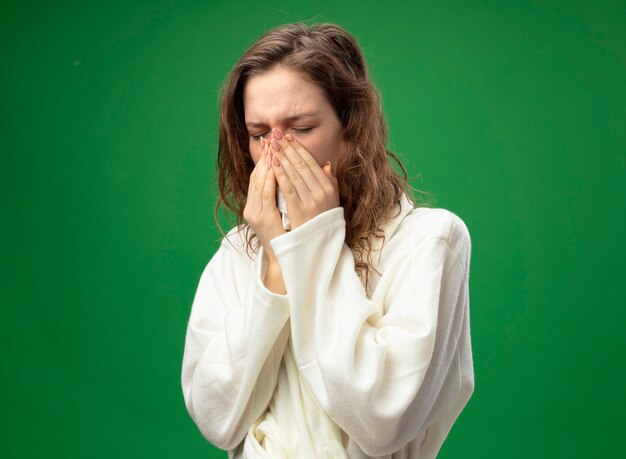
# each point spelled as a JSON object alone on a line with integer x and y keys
{"x": 308, "y": 188}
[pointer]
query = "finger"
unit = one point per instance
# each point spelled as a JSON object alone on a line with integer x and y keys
{"x": 251, "y": 181}
{"x": 328, "y": 170}
{"x": 266, "y": 152}
{"x": 260, "y": 181}
{"x": 306, "y": 156}
{"x": 301, "y": 160}
{"x": 295, "y": 179}
{"x": 269, "y": 192}
{"x": 253, "y": 186}
{"x": 285, "y": 185}
{"x": 327, "y": 181}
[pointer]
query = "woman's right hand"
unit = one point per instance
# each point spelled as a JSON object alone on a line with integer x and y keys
{"x": 261, "y": 211}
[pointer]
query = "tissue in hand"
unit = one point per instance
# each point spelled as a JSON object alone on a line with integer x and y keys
{"x": 282, "y": 208}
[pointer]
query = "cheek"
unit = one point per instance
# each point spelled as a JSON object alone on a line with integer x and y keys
{"x": 323, "y": 149}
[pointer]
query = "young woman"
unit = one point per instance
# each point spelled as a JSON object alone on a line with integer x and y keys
{"x": 335, "y": 323}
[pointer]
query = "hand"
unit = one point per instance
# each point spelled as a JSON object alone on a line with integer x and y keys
{"x": 261, "y": 212}
{"x": 308, "y": 188}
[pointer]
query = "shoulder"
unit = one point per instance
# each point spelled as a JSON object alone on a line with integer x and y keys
{"x": 231, "y": 249}
{"x": 236, "y": 239}
{"x": 426, "y": 224}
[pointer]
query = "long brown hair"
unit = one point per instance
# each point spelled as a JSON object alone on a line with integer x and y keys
{"x": 328, "y": 56}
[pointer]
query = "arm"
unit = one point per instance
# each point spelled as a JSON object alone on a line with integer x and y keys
{"x": 376, "y": 366}
{"x": 235, "y": 340}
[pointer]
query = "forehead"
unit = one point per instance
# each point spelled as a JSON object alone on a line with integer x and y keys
{"x": 279, "y": 93}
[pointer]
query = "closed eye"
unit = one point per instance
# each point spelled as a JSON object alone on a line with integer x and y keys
{"x": 260, "y": 135}
{"x": 302, "y": 130}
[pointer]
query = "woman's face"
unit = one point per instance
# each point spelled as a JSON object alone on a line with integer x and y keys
{"x": 281, "y": 98}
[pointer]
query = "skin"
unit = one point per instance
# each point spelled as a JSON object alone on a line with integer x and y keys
{"x": 293, "y": 153}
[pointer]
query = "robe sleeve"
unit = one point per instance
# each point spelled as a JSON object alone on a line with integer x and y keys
{"x": 236, "y": 336}
{"x": 377, "y": 366}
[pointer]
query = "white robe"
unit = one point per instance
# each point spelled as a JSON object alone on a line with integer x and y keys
{"x": 329, "y": 370}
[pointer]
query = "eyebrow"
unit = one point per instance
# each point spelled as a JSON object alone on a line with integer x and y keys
{"x": 291, "y": 118}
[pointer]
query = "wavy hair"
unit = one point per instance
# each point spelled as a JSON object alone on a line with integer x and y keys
{"x": 327, "y": 55}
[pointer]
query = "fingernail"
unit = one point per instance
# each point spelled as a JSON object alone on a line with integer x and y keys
{"x": 275, "y": 145}
{"x": 277, "y": 133}
{"x": 275, "y": 161}
{"x": 289, "y": 137}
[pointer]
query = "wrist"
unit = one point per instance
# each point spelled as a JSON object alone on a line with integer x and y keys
{"x": 273, "y": 280}
{"x": 273, "y": 268}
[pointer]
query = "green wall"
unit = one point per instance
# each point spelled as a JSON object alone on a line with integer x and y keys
{"x": 513, "y": 113}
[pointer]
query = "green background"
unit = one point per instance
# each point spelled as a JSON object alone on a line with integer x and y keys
{"x": 513, "y": 113}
